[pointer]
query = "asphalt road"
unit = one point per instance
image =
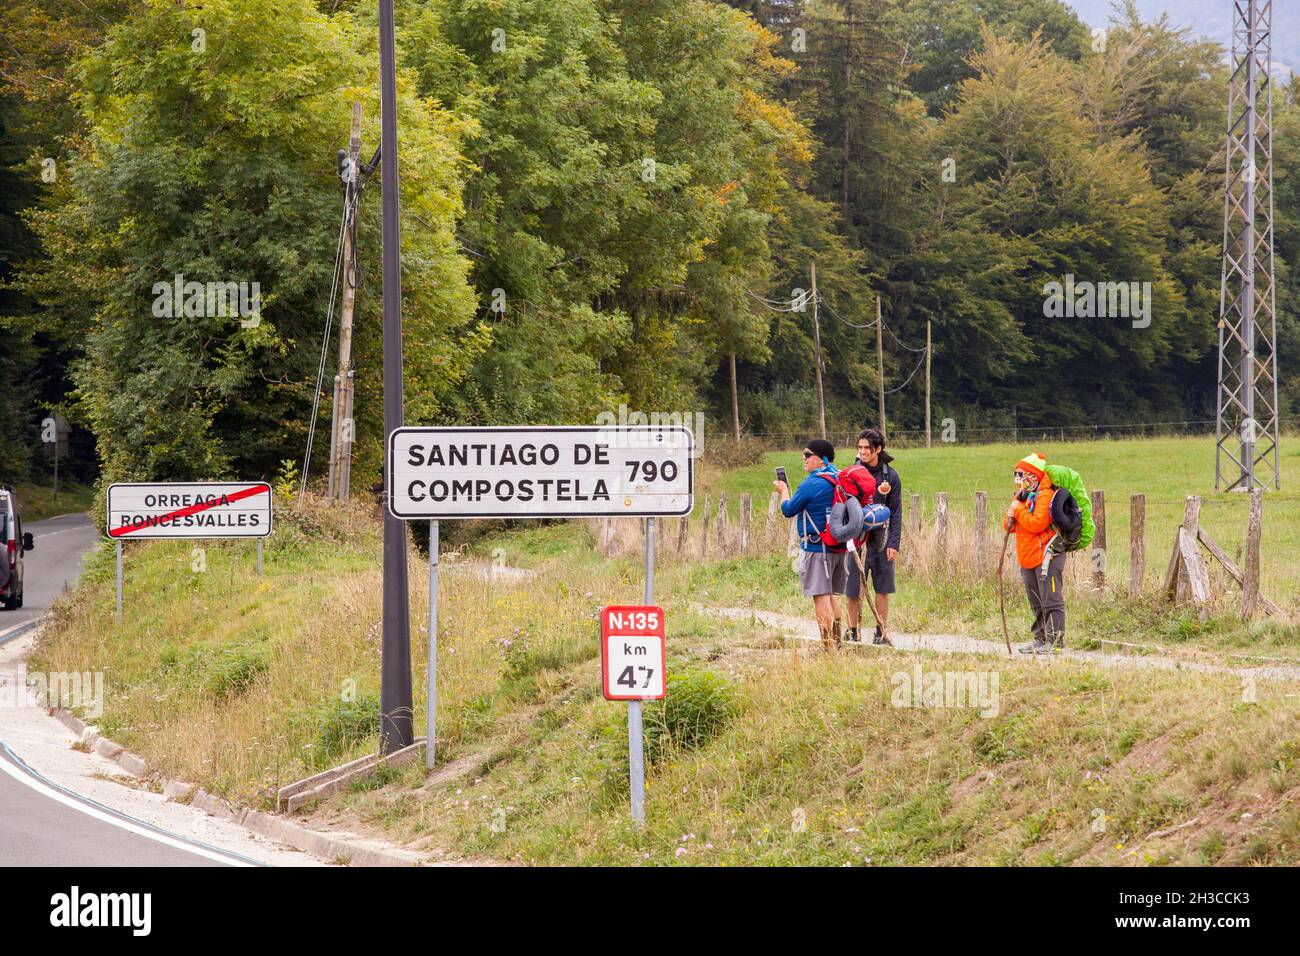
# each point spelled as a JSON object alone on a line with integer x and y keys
{"x": 42, "y": 823}
{"x": 54, "y": 562}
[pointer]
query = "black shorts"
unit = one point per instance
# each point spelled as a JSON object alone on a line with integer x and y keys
{"x": 878, "y": 567}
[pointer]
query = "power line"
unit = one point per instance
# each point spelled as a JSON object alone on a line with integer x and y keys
{"x": 324, "y": 347}
{"x": 909, "y": 378}
{"x": 853, "y": 325}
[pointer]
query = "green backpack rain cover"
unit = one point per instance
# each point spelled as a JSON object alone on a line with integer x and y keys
{"x": 1072, "y": 481}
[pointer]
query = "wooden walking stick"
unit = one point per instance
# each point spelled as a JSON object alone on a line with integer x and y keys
{"x": 1002, "y": 598}
{"x": 862, "y": 570}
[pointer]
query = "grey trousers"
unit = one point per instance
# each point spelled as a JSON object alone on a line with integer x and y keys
{"x": 1047, "y": 599}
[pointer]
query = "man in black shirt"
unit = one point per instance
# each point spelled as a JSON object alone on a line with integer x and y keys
{"x": 882, "y": 545}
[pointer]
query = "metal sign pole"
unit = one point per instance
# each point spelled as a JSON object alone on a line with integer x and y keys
{"x": 635, "y": 738}
{"x": 119, "y": 582}
{"x": 259, "y": 557}
{"x": 431, "y": 722}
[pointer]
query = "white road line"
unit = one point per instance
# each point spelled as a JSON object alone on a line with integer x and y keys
{"x": 92, "y": 810}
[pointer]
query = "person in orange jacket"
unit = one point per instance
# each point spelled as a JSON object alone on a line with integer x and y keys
{"x": 1030, "y": 516}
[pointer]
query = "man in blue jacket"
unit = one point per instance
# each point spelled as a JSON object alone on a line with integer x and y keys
{"x": 821, "y": 573}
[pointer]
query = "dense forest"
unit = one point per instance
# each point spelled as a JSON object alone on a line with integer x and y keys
{"x": 606, "y": 203}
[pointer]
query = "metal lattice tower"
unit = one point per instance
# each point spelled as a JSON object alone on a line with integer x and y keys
{"x": 1246, "y": 426}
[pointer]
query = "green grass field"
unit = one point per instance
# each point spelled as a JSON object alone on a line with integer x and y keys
{"x": 1166, "y": 470}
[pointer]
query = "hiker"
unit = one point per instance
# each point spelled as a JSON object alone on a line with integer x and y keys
{"x": 820, "y": 572}
{"x": 880, "y": 549}
{"x": 1030, "y": 516}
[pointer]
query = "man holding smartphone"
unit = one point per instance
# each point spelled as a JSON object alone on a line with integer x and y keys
{"x": 881, "y": 550}
{"x": 821, "y": 573}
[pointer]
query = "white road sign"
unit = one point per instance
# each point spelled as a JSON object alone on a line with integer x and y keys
{"x": 186, "y": 509}
{"x": 540, "y": 472}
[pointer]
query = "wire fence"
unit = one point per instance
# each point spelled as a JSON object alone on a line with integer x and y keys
{"x": 957, "y": 434}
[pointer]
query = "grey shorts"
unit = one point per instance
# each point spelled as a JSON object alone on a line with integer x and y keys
{"x": 878, "y": 567}
{"x": 821, "y": 573}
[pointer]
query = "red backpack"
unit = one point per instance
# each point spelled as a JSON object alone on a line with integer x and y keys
{"x": 857, "y": 480}
{"x": 853, "y": 482}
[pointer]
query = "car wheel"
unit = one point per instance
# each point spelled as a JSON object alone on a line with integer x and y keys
{"x": 9, "y": 603}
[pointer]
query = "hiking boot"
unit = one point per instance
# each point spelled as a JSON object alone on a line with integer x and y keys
{"x": 1034, "y": 647}
{"x": 877, "y": 637}
{"x": 851, "y": 636}
{"x": 836, "y": 634}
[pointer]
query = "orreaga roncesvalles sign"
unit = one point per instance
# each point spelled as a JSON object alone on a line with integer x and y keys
{"x": 189, "y": 509}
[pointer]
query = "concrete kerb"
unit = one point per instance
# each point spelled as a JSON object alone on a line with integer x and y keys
{"x": 332, "y": 849}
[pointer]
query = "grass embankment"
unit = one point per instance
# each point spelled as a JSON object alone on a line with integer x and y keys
{"x": 245, "y": 684}
{"x": 40, "y": 502}
{"x": 764, "y": 753}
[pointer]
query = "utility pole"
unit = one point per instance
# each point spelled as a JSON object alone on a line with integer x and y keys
{"x": 735, "y": 401}
{"x": 880, "y": 367}
{"x": 927, "y": 383}
{"x": 817, "y": 341}
{"x": 395, "y": 702}
{"x": 848, "y": 85}
{"x": 343, "y": 431}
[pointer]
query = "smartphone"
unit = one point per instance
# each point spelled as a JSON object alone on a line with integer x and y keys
{"x": 780, "y": 476}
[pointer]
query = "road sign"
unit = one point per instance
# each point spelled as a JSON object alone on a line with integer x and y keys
{"x": 189, "y": 509}
{"x": 540, "y": 472}
{"x": 633, "y": 654}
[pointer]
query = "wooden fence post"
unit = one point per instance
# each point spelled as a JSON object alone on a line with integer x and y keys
{"x": 721, "y": 524}
{"x": 773, "y": 513}
{"x": 1137, "y": 542}
{"x": 683, "y": 523}
{"x": 941, "y": 529}
{"x": 981, "y": 521}
{"x": 704, "y": 528}
{"x": 1187, "y": 575}
{"x": 746, "y": 517}
{"x": 1254, "y": 532}
{"x": 1098, "y": 553}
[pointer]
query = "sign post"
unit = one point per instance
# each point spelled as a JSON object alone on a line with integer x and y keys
{"x": 635, "y": 732}
{"x": 431, "y": 705}
{"x": 633, "y": 665}
{"x": 576, "y": 471}
{"x": 187, "y": 509}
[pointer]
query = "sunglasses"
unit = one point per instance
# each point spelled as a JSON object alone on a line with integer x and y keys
{"x": 808, "y": 455}
{"x": 1018, "y": 475}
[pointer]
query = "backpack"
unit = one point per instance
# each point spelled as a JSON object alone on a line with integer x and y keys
{"x": 844, "y": 523}
{"x": 1071, "y": 507}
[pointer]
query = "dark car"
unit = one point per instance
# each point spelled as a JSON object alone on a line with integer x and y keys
{"x": 13, "y": 545}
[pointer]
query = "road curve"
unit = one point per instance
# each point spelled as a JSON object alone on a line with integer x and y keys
{"x": 41, "y": 822}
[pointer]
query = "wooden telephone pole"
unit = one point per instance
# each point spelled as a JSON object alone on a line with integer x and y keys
{"x": 817, "y": 341}
{"x": 880, "y": 367}
{"x": 927, "y": 383}
{"x": 342, "y": 431}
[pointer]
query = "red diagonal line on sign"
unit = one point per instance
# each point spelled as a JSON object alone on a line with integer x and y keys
{"x": 191, "y": 510}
